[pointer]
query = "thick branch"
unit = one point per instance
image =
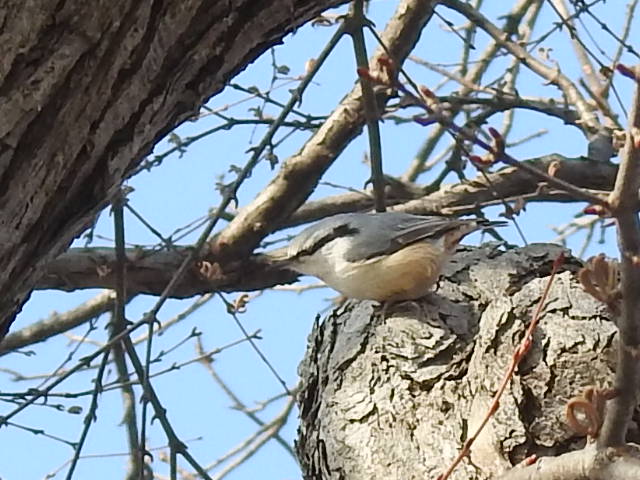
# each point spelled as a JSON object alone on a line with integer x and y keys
{"x": 148, "y": 271}
{"x": 511, "y": 182}
{"x": 300, "y": 173}
{"x": 588, "y": 463}
{"x": 87, "y": 88}
{"x": 508, "y": 183}
{"x": 395, "y": 393}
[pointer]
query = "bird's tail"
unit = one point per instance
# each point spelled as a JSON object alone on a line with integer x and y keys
{"x": 483, "y": 223}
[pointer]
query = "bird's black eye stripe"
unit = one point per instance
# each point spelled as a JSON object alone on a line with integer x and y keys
{"x": 343, "y": 230}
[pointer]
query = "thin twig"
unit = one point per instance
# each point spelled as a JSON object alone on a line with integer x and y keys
{"x": 207, "y": 361}
{"x": 58, "y": 323}
{"x": 175, "y": 444}
{"x": 232, "y": 311}
{"x": 270, "y": 429}
{"x": 118, "y": 324}
{"x": 355, "y": 22}
{"x": 90, "y": 417}
{"x": 465, "y": 134}
{"x": 472, "y": 77}
{"x": 521, "y": 350}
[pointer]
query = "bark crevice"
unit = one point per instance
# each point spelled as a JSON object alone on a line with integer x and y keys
{"x": 425, "y": 377}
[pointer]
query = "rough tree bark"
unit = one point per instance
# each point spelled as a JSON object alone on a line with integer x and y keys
{"x": 396, "y": 397}
{"x": 87, "y": 88}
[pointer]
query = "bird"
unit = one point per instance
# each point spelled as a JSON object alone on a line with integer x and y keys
{"x": 384, "y": 256}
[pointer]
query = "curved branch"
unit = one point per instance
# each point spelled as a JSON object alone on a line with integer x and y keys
{"x": 88, "y": 88}
{"x": 148, "y": 271}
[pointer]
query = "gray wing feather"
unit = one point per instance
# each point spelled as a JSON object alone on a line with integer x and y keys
{"x": 371, "y": 234}
{"x": 314, "y": 237}
{"x": 392, "y": 231}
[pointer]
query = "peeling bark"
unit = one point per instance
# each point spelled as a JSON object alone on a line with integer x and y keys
{"x": 396, "y": 397}
{"x": 87, "y": 88}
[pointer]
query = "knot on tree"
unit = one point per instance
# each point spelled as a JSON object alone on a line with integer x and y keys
{"x": 395, "y": 395}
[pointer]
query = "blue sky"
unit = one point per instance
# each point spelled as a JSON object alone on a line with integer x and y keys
{"x": 182, "y": 189}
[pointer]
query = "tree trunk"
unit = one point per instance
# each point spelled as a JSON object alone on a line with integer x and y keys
{"x": 87, "y": 89}
{"x": 395, "y": 396}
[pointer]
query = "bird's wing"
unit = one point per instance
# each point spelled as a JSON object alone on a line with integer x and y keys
{"x": 313, "y": 238}
{"x": 392, "y": 231}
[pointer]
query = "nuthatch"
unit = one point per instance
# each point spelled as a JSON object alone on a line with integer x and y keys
{"x": 390, "y": 256}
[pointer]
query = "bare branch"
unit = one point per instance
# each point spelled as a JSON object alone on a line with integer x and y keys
{"x": 148, "y": 271}
{"x": 623, "y": 201}
{"x": 58, "y": 323}
{"x": 300, "y": 173}
{"x": 551, "y": 75}
{"x": 588, "y": 463}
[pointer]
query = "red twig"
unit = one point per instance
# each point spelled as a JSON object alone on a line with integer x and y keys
{"x": 518, "y": 355}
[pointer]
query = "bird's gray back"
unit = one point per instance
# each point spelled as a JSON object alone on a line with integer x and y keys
{"x": 371, "y": 234}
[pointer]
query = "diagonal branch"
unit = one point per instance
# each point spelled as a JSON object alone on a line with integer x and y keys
{"x": 551, "y": 75}
{"x": 469, "y": 83}
{"x": 299, "y": 175}
{"x": 58, "y": 323}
